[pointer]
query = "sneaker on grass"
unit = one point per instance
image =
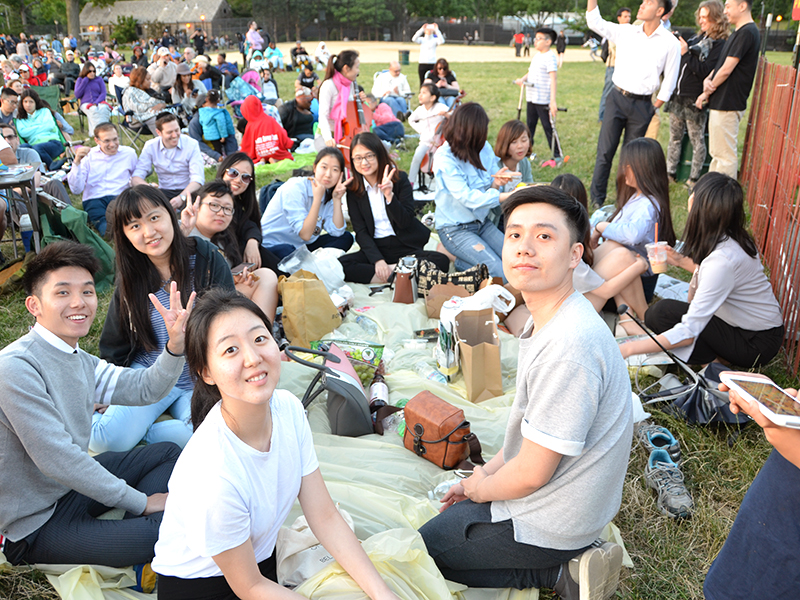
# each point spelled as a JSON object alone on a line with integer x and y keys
{"x": 593, "y": 575}
{"x": 664, "y": 476}
{"x": 654, "y": 437}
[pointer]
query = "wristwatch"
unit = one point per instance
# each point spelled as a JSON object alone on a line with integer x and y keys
{"x": 183, "y": 197}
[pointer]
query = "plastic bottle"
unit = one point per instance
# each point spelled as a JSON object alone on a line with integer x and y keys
{"x": 395, "y": 422}
{"x": 426, "y": 371}
{"x": 367, "y": 324}
{"x": 378, "y": 391}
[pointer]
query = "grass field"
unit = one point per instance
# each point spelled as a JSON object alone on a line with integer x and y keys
{"x": 671, "y": 558}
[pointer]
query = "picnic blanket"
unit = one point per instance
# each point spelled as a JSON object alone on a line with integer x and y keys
{"x": 382, "y": 485}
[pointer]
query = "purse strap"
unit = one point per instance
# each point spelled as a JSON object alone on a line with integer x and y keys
{"x": 475, "y": 450}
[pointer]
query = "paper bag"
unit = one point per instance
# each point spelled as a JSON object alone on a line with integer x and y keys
{"x": 298, "y": 553}
{"x": 308, "y": 312}
{"x": 479, "y": 349}
{"x": 439, "y": 294}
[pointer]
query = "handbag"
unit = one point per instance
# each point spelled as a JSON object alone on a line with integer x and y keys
{"x": 429, "y": 275}
{"x": 348, "y": 408}
{"x": 437, "y": 431}
{"x": 405, "y": 280}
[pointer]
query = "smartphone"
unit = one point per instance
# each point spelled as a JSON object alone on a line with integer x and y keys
{"x": 238, "y": 269}
{"x": 778, "y": 406}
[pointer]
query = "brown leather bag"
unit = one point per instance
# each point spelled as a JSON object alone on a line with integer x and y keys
{"x": 437, "y": 431}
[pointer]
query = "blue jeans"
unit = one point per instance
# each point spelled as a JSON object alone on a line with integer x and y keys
{"x": 474, "y": 243}
{"x": 48, "y": 151}
{"x": 390, "y": 131}
{"x": 96, "y": 209}
{"x": 120, "y": 428}
{"x": 396, "y": 103}
{"x": 326, "y": 240}
{"x": 470, "y": 549}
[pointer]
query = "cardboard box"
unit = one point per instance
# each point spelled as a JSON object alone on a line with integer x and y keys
{"x": 479, "y": 351}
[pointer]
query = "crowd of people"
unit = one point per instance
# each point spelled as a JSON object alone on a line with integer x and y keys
{"x": 189, "y": 329}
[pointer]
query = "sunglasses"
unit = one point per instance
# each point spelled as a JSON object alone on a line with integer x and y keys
{"x": 244, "y": 177}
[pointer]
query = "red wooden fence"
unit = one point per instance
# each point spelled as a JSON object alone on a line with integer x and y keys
{"x": 770, "y": 173}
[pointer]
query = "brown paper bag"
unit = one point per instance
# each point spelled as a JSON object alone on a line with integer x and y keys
{"x": 308, "y": 311}
{"x": 439, "y": 294}
{"x": 479, "y": 349}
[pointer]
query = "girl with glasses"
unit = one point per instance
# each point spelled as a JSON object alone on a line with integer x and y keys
{"x": 237, "y": 170}
{"x": 305, "y": 206}
{"x": 90, "y": 90}
{"x": 153, "y": 256}
{"x": 211, "y": 218}
{"x": 380, "y": 202}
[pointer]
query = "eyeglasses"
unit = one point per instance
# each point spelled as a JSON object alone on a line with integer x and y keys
{"x": 234, "y": 173}
{"x": 366, "y": 158}
{"x": 10, "y": 137}
{"x": 215, "y": 208}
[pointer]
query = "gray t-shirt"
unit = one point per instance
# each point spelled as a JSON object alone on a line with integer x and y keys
{"x": 574, "y": 398}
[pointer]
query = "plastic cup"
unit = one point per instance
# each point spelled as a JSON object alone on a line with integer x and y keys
{"x": 657, "y": 255}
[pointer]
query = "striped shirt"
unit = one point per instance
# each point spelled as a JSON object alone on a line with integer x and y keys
{"x": 538, "y": 88}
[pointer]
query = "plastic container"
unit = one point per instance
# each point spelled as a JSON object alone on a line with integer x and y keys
{"x": 367, "y": 324}
{"x": 426, "y": 371}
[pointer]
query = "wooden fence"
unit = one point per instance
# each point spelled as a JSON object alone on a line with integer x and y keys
{"x": 770, "y": 173}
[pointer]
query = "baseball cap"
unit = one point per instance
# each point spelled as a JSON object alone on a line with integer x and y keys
{"x": 24, "y": 68}
{"x": 302, "y": 91}
{"x": 163, "y": 51}
{"x": 69, "y": 53}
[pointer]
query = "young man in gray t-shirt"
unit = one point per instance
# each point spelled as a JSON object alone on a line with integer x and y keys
{"x": 530, "y": 517}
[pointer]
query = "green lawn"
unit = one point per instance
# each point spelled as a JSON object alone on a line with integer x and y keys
{"x": 670, "y": 558}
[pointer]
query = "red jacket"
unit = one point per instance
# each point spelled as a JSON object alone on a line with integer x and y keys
{"x": 263, "y": 137}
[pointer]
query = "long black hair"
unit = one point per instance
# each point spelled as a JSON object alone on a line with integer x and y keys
{"x": 717, "y": 214}
{"x": 247, "y": 199}
{"x": 345, "y": 58}
{"x": 137, "y": 276}
{"x": 215, "y": 302}
{"x": 373, "y": 143}
{"x": 645, "y": 157}
{"x": 337, "y": 154}
{"x": 466, "y": 131}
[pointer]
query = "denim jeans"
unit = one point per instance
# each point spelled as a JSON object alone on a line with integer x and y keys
{"x": 391, "y": 131}
{"x": 469, "y": 549}
{"x": 474, "y": 243}
{"x": 120, "y": 428}
{"x": 396, "y": 103}
{"x": 96, "y": 209}
{"x": 326, "y": 240}
{"x": 48, "y": 151}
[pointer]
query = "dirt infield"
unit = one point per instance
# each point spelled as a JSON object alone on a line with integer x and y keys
{"x": 378, "y": 52}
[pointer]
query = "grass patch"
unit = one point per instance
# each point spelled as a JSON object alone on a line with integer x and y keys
{"x": 671, "y": 558}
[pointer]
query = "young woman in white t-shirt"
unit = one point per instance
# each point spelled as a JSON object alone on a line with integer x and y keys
{"x": 251, "y": 456}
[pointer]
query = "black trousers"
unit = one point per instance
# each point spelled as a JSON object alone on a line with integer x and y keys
{"x": 537, "y": 112}
{"x": 74, "y": 534}
{"x": 208, "y": 588}
{"x": 359, "y": 269}
{"x": 737, "y": 346}
{"x": 622, "y": 112}
{"x": 422, "y": 69}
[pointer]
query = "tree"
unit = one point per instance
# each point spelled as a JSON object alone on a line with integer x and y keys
{"x": 361, "y": 13}
{"x": 125, "y": 29}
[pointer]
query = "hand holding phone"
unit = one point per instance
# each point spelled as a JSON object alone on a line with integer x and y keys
{"x": 773, "y": 402}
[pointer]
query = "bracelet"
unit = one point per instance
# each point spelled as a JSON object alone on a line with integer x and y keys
{"x": 166, "y": 347}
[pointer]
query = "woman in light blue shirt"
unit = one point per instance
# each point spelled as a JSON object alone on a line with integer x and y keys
{"x": 468, "y": 181}
{"x": 304, "y": 206}
{"x": 642, "y": 203}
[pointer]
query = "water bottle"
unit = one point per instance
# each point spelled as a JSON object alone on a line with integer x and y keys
{"x": 426, "y": 371}
{"x": 395, "y": 422}
{"x": 367, "y": 324}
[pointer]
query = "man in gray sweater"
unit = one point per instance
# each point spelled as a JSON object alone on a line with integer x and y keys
{"x": 51, "y": 490}
{"x": 531, "y": 517}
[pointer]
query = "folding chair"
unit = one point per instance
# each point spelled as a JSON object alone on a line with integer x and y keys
{"x": 132, "y": 131}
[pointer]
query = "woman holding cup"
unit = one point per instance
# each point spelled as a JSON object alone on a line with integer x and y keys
{"x": 732, "y": 315}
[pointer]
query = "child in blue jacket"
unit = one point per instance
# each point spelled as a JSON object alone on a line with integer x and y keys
{"x": 216, "y": 122}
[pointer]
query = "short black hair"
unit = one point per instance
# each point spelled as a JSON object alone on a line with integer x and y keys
{"x": 576, "y": 215}
{"x": 9, "y": 93}
{"x": 217, "y": 188}
{"x": 58, "y": 255}
{"x": 622, "y": 10}
{"x": 667, "y": 4}
{"x": 548, "y": 32}
{"x": 432, "y": 89}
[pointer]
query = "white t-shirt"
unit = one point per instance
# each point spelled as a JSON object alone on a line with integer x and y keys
{"x": 538, "y": 89}
{"x": 223, "y": 492}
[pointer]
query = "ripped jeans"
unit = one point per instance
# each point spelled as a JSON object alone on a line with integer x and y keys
{"x": 474, "y": 243}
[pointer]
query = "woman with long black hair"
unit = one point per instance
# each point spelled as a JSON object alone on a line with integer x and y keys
{"x": 380, "y": 202}
{"x": 334, "y": 94}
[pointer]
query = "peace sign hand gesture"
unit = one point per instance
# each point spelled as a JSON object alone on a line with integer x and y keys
{"x": 174, "y": 317}
{"x": 341, "y": 188}
{"x": 189, "y": 217}
{"x": 387, "y": 184}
